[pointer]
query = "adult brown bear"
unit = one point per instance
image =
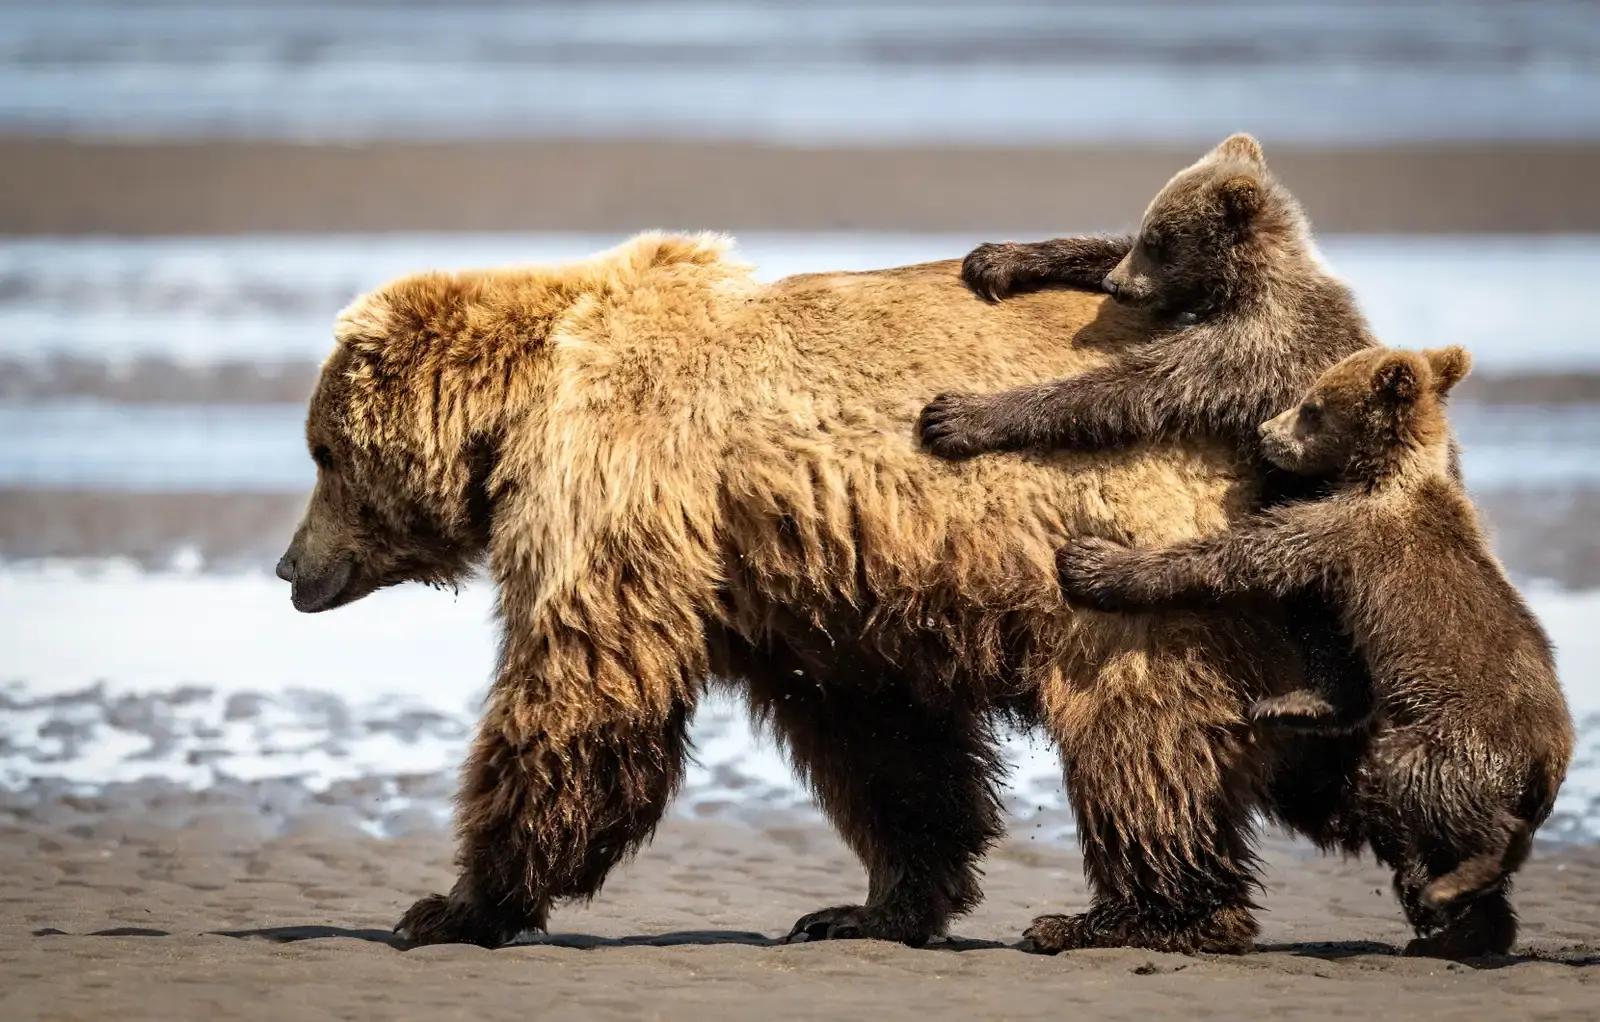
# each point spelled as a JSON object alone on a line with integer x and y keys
{"x": 679, "y": 474}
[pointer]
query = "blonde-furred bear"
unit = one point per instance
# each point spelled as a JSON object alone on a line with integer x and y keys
{"x": 681, "y": 476}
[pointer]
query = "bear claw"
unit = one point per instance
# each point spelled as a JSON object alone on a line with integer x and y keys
{"x": 852, "y": 922}
{"x": 439, "y": 919}
{"x": 1049, "y": 935}
{"x": 953, "y": 426}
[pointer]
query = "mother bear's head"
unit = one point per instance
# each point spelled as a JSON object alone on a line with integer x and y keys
{"x": 428, "y": 376}
{"x": 391, "y": 504}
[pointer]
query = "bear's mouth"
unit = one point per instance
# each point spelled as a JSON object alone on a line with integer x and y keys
{"x": 335, "y": 587}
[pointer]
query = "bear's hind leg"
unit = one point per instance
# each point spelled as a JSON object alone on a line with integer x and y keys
{"x": 913, "y": 789}
{"x": 1162, "y": 786}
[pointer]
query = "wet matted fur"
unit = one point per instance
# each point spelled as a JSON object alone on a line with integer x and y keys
{"x": 1472, "y": 736}
{"x": 677, "y": 473}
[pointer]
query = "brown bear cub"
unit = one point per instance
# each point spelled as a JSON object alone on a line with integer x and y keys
{"x": 1243, "y": 318}
{"x": 1472, "y": 737}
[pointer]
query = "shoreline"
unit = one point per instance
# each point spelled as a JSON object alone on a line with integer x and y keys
{"x": 67, "y": 186}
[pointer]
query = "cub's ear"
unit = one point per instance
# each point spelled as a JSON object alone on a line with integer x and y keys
{"x": 1450, "y": 366}
{"x": 1241, "y": 198}
{"x": 1240, "y": 147}
{"x": 1395, "y": 379}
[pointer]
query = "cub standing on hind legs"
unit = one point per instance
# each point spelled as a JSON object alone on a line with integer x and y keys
{"x": 1473, "y": 736}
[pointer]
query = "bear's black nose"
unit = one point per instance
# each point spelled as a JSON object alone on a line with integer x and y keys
{"x": 1110, "y": 286}
{"x": 286, "y": 568}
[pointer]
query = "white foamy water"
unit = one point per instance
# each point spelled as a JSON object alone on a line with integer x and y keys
{"x": 110, "y": 675}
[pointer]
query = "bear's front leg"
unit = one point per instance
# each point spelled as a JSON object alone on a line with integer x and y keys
{"x": 543, "y": 816}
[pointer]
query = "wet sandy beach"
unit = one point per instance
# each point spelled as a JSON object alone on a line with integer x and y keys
{"x": 221, "y": 186}
{"x": 190, "y": 906}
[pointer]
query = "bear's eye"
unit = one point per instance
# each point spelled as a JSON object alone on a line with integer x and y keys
{"x": 323, "y": 457}
{"x": 1311, "y": 416}
{"x": 1154, "y": 243}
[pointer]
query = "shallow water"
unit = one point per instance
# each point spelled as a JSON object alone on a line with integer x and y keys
{"x": 1520, "y": 303}
{"x": 873, "y": 73}
{"x": 81, "y": 444}
{"x": 113, "y": 675}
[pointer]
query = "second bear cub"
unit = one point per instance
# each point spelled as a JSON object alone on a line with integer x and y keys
{"x": 1473, "y": 736}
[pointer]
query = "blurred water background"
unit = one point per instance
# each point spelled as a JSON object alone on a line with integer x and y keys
{"x": 194, "y": 190}
{"x": 806, "y": 72}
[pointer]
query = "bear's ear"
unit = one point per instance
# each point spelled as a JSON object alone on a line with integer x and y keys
{"x": 1240, "y": 147}
{"x": 1450, "y": 366}
{"x": 1395, "y": 379}
{"x": 1241, "y": 198}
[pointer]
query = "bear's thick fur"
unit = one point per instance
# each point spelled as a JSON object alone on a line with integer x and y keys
{"x": 679, "y": 474}
{"x": 1472, "y": 737}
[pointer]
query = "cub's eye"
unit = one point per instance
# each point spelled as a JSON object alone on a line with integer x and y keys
{"x": 1311, "y": 416}
{"x": 1154, "y": 243}
{"x": 323, "y": 457}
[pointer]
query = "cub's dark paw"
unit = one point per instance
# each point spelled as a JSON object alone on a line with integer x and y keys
{"x": 1082, "y": 567}
{"x": 1051, "y": 935}
{"x": 957, "y": 426}
{"x": 441, "y": 919}
{"x": 990, "y": 270}
{"x": 855, "y": 922}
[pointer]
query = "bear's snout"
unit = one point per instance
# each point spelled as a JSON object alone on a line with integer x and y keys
{"x": 316, "y": 583}
{"x": 322, "y": 589}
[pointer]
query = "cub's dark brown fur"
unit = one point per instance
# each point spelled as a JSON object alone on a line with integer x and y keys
{"x": 1244, "y": 318}
{"x": 1473, "y": 737}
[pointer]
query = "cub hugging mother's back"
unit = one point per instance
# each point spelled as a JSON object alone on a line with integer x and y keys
{"x": 678, "y": 474}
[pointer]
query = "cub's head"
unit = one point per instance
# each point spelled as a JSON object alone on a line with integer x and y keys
{"x": 1369, "y": 415}
{"x": 1209, "y": 234}
{"x": 402, "y": 490}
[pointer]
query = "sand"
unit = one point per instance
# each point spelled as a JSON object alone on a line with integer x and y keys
{"x": 205, "y": 906}
{"x": 72, "y": 186}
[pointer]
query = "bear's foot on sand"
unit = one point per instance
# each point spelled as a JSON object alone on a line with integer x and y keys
{"x": 1227, "y": 931}
{"x": 448, "y": 919}
{"x": 1488, "y": 926}
{"x": 857, "y": 922}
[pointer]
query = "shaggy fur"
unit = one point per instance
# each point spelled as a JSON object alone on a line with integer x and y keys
{"x": 1243, "y": 318}
{"x": 1473, "y": 738}
{"x": 677, "y": 474}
